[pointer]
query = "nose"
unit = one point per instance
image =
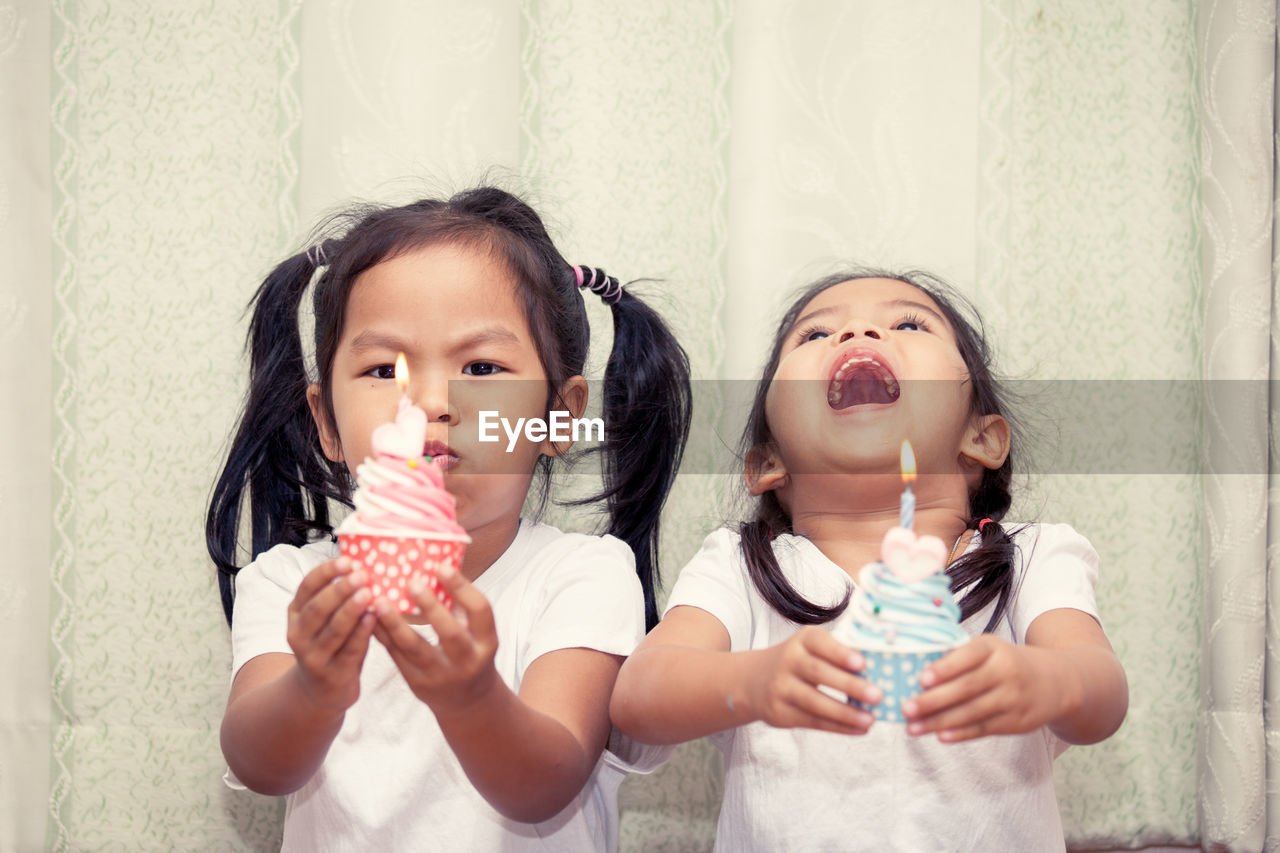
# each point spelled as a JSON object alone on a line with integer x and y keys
{"x": 861, "y": 328}
{"x": 433, "y": 398}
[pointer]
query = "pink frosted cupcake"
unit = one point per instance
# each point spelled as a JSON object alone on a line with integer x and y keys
{"x": 405, "y": 525}
{"x": 902, "y": 617}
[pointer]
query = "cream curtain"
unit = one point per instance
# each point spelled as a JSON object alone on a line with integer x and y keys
{"x": 1239, "y": 739}
{"x": 1097, "y": 176}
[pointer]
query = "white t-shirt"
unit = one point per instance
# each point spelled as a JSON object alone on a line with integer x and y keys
{"x": 806, "y": 790}
{"x": 390, "y": 781}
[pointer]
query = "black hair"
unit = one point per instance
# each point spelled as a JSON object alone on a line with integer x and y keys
{"x": 275, "y": 461}
{"x": 984, "y": 574}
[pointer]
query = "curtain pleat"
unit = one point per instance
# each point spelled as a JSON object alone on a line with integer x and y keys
{"x": 25, "y": 329}
{"x": 1236, "y": 71}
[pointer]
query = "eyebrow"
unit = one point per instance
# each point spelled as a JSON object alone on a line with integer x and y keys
{"x": 892, "y": 303}
{"x": 371, "y": 339}
{"x": 487, "y": 335}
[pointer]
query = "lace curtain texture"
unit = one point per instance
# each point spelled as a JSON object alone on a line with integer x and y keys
{"x": 1098, "y": 177}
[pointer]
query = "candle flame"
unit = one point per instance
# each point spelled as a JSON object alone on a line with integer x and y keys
{"x": 908, "y": 463}
{"x": 402, "y": 372}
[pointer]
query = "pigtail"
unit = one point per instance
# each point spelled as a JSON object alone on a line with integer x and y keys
{"x": 986, "y": 573}
{"x": 275, "y": 454}
{"x": 647, "y": 411}
{"x": 756, "y": 540}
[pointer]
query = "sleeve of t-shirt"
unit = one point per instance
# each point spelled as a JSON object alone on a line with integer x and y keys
{"x": 264, "y": 588}
{"x": 715, "y": 580}
{"x": 590, "y": 598}
{"x": 1061, "y": 570}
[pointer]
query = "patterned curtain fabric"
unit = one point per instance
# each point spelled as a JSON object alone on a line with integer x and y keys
{"x": 1239, "y": 741}
{"x": 1096, "y": 176}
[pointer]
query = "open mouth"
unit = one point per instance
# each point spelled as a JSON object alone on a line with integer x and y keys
{"x": 861, "y": 379}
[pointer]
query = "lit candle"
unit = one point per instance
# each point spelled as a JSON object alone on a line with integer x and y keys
{"x": 404, "y": 437}
{"x": 402, "y": 382}
{"x": 907, "y": 506}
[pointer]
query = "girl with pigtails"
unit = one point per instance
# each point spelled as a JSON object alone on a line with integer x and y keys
{"x": 484, "y": 727}
{"x": 745, "y": 653}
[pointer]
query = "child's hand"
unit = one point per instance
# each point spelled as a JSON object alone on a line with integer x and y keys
{"x": 329, "y": 629}
{"x": 459, "y": 671}
{"x": 986, "y": 687}
{"x": 783, "y": 690}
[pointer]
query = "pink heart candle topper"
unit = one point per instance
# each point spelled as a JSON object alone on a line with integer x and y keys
{"x": 912, "y": 558}
{"x": 405, "y": 437}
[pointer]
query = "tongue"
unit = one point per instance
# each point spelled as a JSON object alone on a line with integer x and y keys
{"x": 862, "y": 386}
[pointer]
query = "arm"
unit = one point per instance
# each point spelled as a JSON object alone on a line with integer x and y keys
{"x": 528, "y": 754}
{"x": 683, "y": 682}
{"x": 285, "y": 710}
{"x": 1066, "y": 677}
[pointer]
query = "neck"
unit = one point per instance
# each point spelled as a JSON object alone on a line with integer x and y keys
{"x": 846, "y": 517}
{"x": 488, "y": 542}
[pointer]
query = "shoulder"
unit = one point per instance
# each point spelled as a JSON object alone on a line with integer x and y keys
{"x": 1043, "y": 542}
{"x": 722, "y": 547}
{"x": 548, "y": 562}
{"x": 285, "y": 566}
{"x": 1058, "y": 568}
{"x": 550, "y": 548}
{"x": 716, "y": 573}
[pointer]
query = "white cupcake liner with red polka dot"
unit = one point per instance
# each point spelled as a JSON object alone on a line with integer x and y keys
{"x": 390, "y": 563}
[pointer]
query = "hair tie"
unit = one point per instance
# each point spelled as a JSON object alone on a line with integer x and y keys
{"x": 599, "y": 282}
{"x": 316, "y": 255}
{"x": 983, "y": 523}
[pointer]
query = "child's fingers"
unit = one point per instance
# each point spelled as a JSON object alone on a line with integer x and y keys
{"x": 357, "y": 643}
{"x": 955, "y": 663}
{"x": 968, "y": 709}
{"x": 407, "y": 646}
{"x": 983, "y": 728}
{"x": 334, "y": 633}
{"x": 319, "y": 578}
{"x": 956, "y": 692}
{"x": 467, "y": 634}
{"x": 311, "y": 624}
{"x": 814, "y": 709}
{"x": 816, "y": 671}
{"x": 823, "y": 645}
{"x": 470, "y": 606}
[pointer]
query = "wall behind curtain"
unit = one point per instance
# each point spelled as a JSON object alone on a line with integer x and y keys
{"x": 1040, "y": 154}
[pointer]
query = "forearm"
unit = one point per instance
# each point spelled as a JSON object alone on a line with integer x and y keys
{"x": 274, "y": 738}
{"x": 670, "y": 693}
{"x": 1094, "y": 693}
{"x": 525, "y": 763}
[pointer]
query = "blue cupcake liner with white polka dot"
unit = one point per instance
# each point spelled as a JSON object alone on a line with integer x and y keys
{"x": 898, "y": 675}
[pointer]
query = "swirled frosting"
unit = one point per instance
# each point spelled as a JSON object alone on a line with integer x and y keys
{"x": 401, "y": 497}
{"x": 904, "y": 601}
{"x": 400, "y": 492}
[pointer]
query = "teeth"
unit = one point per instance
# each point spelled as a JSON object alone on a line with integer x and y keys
{"x": 859, "y": 359}
{"x": 833, "y": 391}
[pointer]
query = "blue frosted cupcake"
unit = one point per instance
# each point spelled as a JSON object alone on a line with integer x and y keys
{"x": 902, "y": 617}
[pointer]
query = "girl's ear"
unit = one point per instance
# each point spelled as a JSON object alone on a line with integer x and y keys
{"x": 764, "y": 470}
{"x": 986, "y": 443}
{"x": 572, "y": 395}
{"x": 329, "y": 441}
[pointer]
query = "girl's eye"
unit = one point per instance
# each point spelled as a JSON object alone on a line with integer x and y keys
{"x": 812, "y": 334}
{"x": 481, "y": 368}
{"x": 911, "y": 324}
{"x": 383, "y": 371}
